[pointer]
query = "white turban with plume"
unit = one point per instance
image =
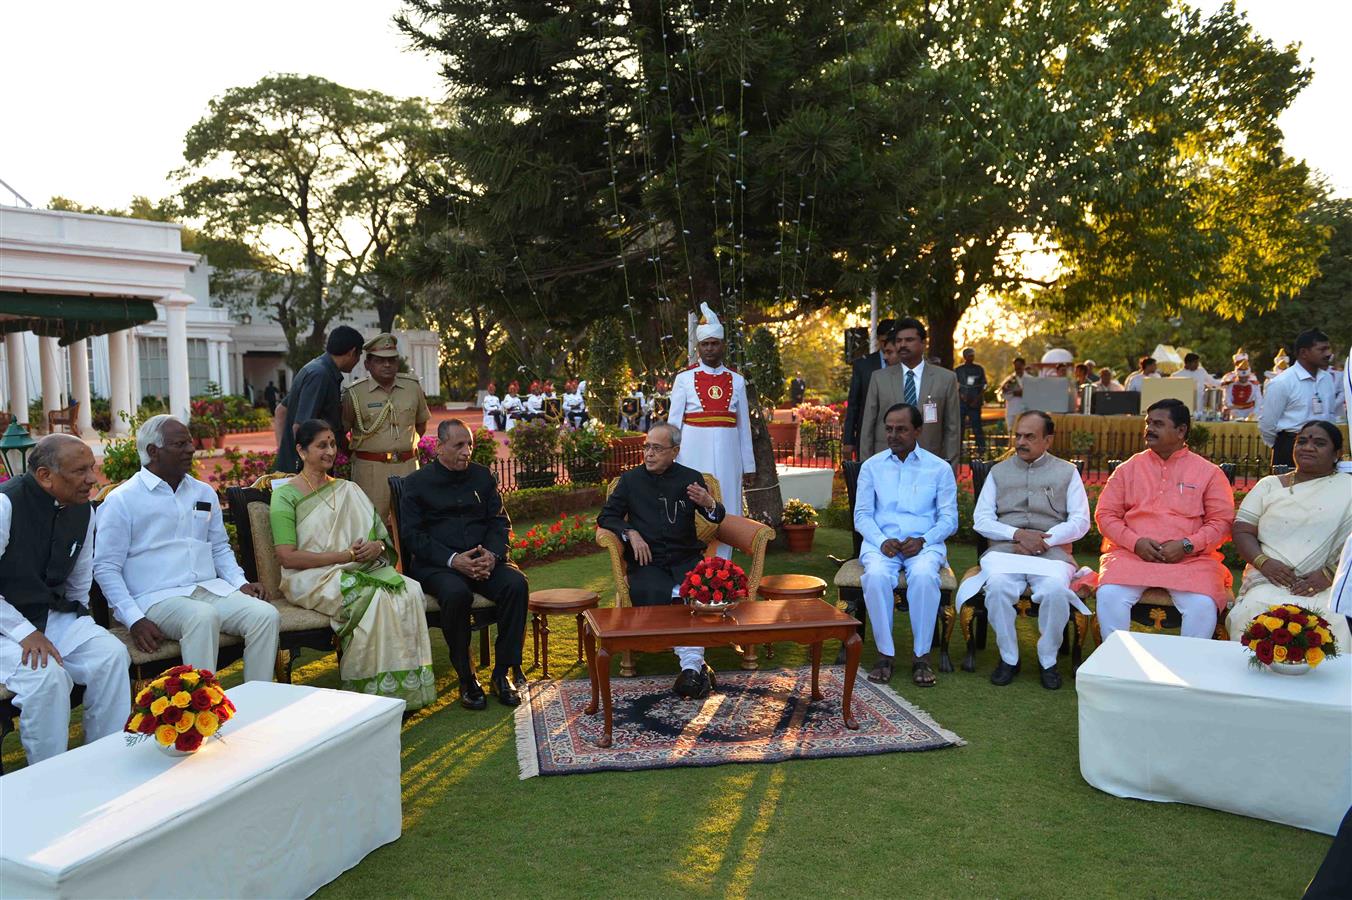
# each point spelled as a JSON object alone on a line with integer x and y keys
{"x": 711, "y": 327}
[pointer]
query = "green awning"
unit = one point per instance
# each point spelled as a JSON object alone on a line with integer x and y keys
{"x": 69, "y": 317}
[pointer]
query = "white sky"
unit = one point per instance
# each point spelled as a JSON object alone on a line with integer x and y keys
{"x": 95, "y": 97}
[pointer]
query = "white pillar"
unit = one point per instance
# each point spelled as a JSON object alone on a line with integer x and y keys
{"x": 176, "y": 352}
{"x": 15, "y": 359}
{"x": 134, "y": 387}
{"x": 49, "y": 362}
{"x": 119, "y": 396}
{"x": 79, "y": 383}
{"x": 227, "y": 381}
{"x": 214, "y": 367}
{"x": 873, "y": 321}
{"x": 691, "y": 323}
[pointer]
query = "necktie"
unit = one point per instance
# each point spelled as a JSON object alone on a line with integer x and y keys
{"x": 910, "y": 395}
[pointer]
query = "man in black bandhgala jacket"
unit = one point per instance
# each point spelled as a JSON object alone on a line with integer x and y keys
{"x": 454, "y": 529}
{"x": 652, "y": 510}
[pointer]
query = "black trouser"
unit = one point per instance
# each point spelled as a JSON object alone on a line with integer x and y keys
{"x": 1282, "y": 448}
{"x": 577, "y": 418}
{"x": 651, "y": 585}
{"x": 971, "y": 419}
{"x": 500, "y": 419}
{"x": 506, "y": 587}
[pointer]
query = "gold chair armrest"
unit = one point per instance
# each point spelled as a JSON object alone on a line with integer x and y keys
{"x": 618, "y": 569}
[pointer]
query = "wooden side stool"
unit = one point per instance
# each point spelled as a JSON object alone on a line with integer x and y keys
{"x": 544, "y": 604}
{"x": 789, "y": 587}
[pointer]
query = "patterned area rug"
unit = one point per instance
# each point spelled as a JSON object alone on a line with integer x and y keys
{"x": 761, "y": 716}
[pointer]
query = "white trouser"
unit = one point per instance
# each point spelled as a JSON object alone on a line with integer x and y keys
{"x": 196, "y": 622}
{"x": 101, "y": 664}
{"x": 1053, "y": 611}
{"x": 690, "y": 657}
{"x": 1116, "y": 600}
{"x": 922, "y": 596}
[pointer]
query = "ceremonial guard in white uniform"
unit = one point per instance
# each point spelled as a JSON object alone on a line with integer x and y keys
{"x": 494, "y": 420}
{"x": 512, "y": 407}
{"x": 709, "y": 405}
{"x": 574, "y": 406}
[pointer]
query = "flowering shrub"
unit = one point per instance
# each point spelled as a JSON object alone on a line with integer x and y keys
{"x": 179, "y": 709}
{"x": 244, "y": 469}
{"x": 817, "y": 415}
{"x": 1289, "y": 634}
{"x": 714, "y": 580}
{"x": 543, "y": 541}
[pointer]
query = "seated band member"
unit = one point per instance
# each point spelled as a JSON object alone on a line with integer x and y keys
{"x": 1163, "y": 515}
{"x": 164, "y": 561}
{"x": 494, "y": 418}
{"x": 337, "y": 558}
{"x": 454, "y": 528}
{"x": 48, "y": 642}
{"x": 1032, "y": 508}
{"x": 1290, "y": 529}
{"x": 574, "y": 405}
{"x": 512, "y": 407}
{"x": 652, "y": 510}
{"x": 906, "y": 506}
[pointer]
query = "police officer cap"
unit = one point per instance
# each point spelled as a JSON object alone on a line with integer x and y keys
{"x": 382, "y": 345}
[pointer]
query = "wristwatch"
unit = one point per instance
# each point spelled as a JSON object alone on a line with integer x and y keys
{"x": 1188, "y": 547}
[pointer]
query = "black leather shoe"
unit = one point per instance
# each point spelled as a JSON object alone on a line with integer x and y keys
{"x": 688, "y": 683}
{"x": 710, "y": 679}
{"x": 501, "y": 684}
{"x": 472, "y": 695}
{"x": 1051, "y": 679}
{"x": 1004, "y": 673}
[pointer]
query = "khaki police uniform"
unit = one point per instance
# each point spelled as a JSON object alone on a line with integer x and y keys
{"x": 386, "y": 424}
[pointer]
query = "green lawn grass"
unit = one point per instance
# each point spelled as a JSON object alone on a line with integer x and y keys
{"x": 1006, "y": 816}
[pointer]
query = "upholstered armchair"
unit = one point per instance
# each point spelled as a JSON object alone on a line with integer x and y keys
{"x": 742, "y": 534}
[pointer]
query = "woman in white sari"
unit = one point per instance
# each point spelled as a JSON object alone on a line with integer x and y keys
{"x": 337, "y": 559}
{"x": 1290, "y": 529}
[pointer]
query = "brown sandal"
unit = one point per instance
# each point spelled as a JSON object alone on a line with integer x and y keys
{"x": 882, "y": 670}
{"x": 922, "y": 674}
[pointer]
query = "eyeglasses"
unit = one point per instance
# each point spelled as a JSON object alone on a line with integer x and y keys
{"x": 657, "y": 448}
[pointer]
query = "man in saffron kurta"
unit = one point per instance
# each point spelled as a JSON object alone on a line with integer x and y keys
{"x": 1164, "y": 515}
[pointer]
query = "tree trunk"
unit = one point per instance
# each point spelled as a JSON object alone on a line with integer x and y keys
{"x": 479, "y": 350}
{"x": 943, "y": 322}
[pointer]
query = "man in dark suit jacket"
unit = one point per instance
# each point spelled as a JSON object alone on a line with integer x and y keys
{"x": 454, "y": 530}
{"x": 935, "y": 395}
{"x": 864, "y": 367}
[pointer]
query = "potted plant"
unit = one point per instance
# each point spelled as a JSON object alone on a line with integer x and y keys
{"x": 1081, "y": 445}
{"x": 203, "y": 430}
{"x": 534, "y": 445}
{"x": 800, "y": 525}
{"x": 584, "y": 451}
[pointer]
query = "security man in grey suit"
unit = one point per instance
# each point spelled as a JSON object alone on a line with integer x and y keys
{"x": 929, "y": 387}
{"x": 862, "y": 373}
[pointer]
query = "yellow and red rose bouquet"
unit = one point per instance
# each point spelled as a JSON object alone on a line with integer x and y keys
{"x": 180, "y": 709}
{"x": 1289, "y": 634}
{"x": 714, "y": 583}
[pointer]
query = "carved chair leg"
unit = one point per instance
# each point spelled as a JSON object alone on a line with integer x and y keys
{"x": 967, "y": 615}
{"x": 941, "y": 632}
{"x": 281, "y": 670}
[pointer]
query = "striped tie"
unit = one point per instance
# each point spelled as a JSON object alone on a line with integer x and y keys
{"x": 910, "y": 396}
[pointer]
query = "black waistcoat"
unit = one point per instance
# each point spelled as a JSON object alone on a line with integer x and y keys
{"x": 44, "y": 542}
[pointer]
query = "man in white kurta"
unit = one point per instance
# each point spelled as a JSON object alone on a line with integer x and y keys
{"x": 1032, "y": 508}
{"x": 492, "y": 408}
{"x": 709, "y": 405}
{"x": 164, "y": 561}
{"x": 49, "y": 643}
{"x": 906, "y": 506}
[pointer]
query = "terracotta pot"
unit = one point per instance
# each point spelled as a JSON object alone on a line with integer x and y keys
{"x": 219, "y": 441}
{"x": 799, "y": 537}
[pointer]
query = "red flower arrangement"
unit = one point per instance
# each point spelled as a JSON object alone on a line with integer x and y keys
{"x": 1289, "y": 634}
{"x": 715, "y": 583}
{"x": 180, "y": 709}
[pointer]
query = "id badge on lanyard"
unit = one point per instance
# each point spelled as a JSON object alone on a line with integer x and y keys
{"x": 931, "y": 412}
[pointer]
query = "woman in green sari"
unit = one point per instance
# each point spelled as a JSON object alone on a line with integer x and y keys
{"x": 337, "y": 559}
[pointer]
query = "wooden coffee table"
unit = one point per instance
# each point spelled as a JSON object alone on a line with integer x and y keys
{"x": 613, "y": 630}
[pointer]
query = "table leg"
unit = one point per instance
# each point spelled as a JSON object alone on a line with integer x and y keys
{"x": 544, "y": 642}
{"x": 535, "y": 637}
{"x": 603, "y": 676}
{"x": 579, "y": 637}
{"x": 591, "y": 670}
{"x": 816, "y": 667}
{"x": 853, "y": 647}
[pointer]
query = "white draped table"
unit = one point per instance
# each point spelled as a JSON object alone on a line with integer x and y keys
{"x": 1185, "y": 720}
{"x": 303, "y": 786}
